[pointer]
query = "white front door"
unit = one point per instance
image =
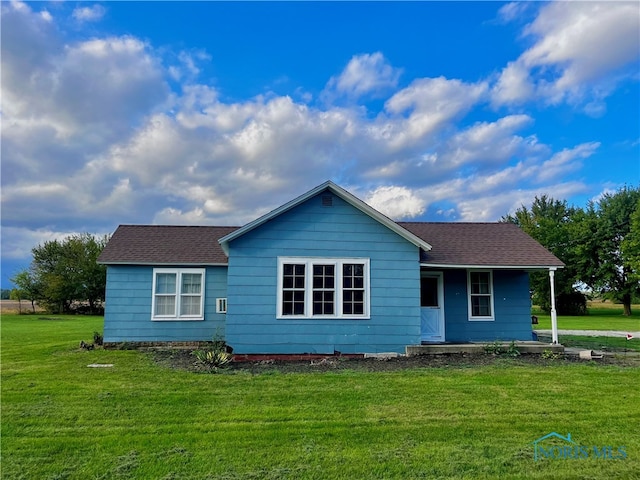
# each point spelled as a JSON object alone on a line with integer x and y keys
{"x": 432, "y": 307}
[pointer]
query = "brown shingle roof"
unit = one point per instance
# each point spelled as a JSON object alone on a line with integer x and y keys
{"x": 481, "y": 244}
{"x": 454, "y": 244}
{"x": 165, "y": 245}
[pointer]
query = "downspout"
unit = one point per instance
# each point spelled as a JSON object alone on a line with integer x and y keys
{"x": 554, "y": 316}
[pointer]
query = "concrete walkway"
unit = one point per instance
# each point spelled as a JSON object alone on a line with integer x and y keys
{"x": 591, "y": 333}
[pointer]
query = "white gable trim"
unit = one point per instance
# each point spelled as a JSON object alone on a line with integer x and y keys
{"x": 344, "y": 195}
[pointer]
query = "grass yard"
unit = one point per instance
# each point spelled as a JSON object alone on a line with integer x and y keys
{"x": 602, "y": 316}
{"x": 140, "y": 420}
{"x": 612, "y": 344}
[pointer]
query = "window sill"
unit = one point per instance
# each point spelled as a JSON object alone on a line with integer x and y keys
{"x": 482, "y": 319}
{"x": 178, "y": 319}
{"x": 320, "y": 317}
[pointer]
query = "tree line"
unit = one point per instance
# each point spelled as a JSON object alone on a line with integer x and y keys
{"x": 599, "y": 244}
{"x": 64, "y": 275}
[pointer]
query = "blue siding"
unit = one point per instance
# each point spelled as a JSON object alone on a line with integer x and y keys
{"x": 128, "y": 308}
{"x": 313, "y": 230}
{"x": 512, "y": 308}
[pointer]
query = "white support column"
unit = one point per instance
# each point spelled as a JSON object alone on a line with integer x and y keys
{"x": 554, "y": 317}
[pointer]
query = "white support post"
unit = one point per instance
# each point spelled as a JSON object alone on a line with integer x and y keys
{"x": 554, "y": 317}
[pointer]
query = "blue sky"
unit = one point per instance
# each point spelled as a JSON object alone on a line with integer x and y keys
{"x": 215, "y": 113}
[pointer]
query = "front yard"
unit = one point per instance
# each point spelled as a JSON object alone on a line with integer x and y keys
{"x": 143, "y": 419}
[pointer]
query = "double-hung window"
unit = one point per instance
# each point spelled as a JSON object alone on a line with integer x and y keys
{"x": 323, "y": 287}
{"x": 480, "y": 289}
{"x": 178, "y": 294}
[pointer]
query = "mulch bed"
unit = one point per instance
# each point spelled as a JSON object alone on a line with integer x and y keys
{"x": 184, "y": 360}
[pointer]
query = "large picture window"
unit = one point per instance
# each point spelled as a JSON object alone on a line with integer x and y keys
{"x": 323, "y": 287}
{"x": 178, "y": 294}
{"x": 480, "y": 289}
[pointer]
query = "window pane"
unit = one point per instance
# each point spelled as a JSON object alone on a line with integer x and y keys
{"x": 428, "y": 292}
{"x": 358, "y": 308}
{"x": 165, "y": 305}
{"x": 165, "y": 283}
{"x": 190, "y": 305}
{"x": 480, "y": 283}
{"x": 191, "y": 283}
{"x": 293, "y": 276}
{"x": 293, "y": 302}
{"x": 481, "y": 306}
{"x": 323, "y": 303}
{"x": 353, "y": 289}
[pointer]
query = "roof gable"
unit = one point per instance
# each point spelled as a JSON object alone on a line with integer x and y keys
{"x": 339, "y": 192}
{"x": 165, "y": 245}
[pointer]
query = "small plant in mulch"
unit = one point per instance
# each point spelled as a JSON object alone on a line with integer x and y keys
{"x": 549, "y": 355}
{"x": 512, "y": 350}
{"x": 494, "y": 348}
{"x": 215, "y": 357}
{"x": 98, "y": 339}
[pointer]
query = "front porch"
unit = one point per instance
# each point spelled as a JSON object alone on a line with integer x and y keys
{"x": 525, "y": 347}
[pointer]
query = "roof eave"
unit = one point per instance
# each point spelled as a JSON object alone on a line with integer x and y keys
{"x": 490, "y": 266}
{"x": 165, "y": 264}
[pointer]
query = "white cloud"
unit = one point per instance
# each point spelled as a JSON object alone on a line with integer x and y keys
{"x": 396, "y": 202}
{"x": 580, "y": 51}
{"x": 364, "y": 74}
{"x": 89, "y": 14}
{"x": 431, "y": 103}
{"x": 567, "y": 161}
{"x": 489, "y": 143}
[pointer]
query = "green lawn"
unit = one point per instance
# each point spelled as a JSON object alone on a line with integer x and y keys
{"x": 601, "y": 317}
{"x": 619, "y": 345}
{"x": 138, "y": 420}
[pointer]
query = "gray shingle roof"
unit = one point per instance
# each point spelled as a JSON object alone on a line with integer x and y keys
{"x": 165, "y": 245}
{"x": 481, "y": 244}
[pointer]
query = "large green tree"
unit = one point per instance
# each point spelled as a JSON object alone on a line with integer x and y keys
{"x": 631, "y": 245}
{"x": 67, "y": 271}
{"x": 551, "y": 222}
{"x": 607, "y": 246}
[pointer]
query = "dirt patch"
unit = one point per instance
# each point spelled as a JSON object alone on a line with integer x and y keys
{"x": 184, "y": 360}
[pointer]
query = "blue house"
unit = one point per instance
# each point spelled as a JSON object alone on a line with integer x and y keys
{"x": 323, "y": 273}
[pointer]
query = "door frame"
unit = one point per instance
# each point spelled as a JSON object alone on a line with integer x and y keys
{"x": 440, "y": 277}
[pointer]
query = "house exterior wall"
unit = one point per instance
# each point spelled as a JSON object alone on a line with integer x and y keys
{"x": 313, "y": 230}
{"x": 511, "y": 302}
{"x": 128, "y": 308}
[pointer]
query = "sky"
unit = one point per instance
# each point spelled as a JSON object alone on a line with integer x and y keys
{"x": 214, "y": 113}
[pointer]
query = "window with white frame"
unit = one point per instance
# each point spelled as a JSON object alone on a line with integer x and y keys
{"x": 221, "y": 305}
{"x": 178, "y": 294}
{"x": 480, "y": 289}
{"x": 323, "y": 287}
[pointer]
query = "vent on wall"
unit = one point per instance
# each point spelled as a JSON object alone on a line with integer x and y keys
{"x": 327, "y": 201}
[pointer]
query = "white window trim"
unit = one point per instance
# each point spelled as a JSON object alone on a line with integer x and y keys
{"x": 308, "y": 303}
{"x": 221, "y": 305}
{"x": 176, "y": 316}
{"x": 491, "y": 317}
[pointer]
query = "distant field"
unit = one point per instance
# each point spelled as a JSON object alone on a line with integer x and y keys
{"x": 13, "y": 306}
{"x": 142, "y": 420}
